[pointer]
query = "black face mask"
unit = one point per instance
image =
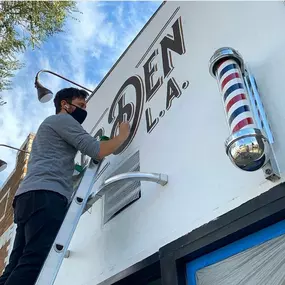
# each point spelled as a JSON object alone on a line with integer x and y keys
{"x": 78, "y": 114}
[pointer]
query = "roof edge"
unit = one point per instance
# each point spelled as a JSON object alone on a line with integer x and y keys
{"x": 123, "y": 54}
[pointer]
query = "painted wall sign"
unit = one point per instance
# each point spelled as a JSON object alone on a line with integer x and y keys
{"x": 144, "y": 88}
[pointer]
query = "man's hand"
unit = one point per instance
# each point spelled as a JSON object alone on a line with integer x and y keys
{"x": 110, "y": 146}
{"x": 124, "y": 131}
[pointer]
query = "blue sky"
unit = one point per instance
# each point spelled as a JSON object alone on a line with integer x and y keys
{"x": 83, "y": 53}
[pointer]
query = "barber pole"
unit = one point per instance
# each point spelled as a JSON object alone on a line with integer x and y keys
{"x": 234, "y": 95}
{"x": 249, "y": 145}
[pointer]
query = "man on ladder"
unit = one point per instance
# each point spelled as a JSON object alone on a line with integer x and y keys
{"x": 42, "y": 198}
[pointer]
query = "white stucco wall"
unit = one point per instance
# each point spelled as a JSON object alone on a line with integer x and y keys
{"x": 188, "y": 142}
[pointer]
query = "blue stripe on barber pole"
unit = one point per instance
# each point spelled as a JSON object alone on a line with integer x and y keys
{"x": 227, "y": 68}
{"x": 231, "y": 89}
{"x": 237, "y": 112}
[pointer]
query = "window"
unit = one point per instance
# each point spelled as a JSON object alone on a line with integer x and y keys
{"x": 255, "y": 259}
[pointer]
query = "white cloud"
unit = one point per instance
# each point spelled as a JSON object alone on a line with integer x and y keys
{"x": 84, "y": 53}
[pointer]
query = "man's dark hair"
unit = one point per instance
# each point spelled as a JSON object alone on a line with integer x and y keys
{"x": 68, "y": 94}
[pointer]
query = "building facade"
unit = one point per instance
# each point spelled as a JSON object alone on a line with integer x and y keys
{"x": 212, "y": 223}
{"x": 7, "y": 193}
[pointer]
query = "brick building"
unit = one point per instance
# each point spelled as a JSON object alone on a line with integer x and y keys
{"x": 7, "y": 192}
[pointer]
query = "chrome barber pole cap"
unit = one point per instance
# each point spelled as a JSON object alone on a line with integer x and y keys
{"x": 247, "y": 149}
{"x": 249, "y": 143}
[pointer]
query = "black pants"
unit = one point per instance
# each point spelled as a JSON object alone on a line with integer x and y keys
{"x": 38, "y": 215}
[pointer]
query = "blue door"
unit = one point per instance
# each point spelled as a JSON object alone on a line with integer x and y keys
{"x": 256, "y": 259}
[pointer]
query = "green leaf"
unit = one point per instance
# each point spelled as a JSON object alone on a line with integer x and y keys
{"x": 27, "y": 24}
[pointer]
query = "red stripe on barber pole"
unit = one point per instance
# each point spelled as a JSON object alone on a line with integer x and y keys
{"x": 229, "y": 78}
{"x": 235, "y": 99}
{"x": 221, "y": 62}
{"x": 242, "y": 123}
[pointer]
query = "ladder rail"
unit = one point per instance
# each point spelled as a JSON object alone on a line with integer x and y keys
{"x": 60, "y": 245}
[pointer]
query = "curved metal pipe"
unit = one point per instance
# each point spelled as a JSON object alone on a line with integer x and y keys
{"x": 8, "y": 146}
{"x": 60, "y": 76}
{"x": 3, "y": 164}
{"x": 136, "y": 175}
{"x": 158, "y": 178}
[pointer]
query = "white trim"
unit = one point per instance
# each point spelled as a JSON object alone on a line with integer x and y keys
{"x": 7, "y": 235}
{"x": 12, "y": 239}
{"x": 9, "y": 177}
{"x": 7, "y": 194}
{"x": 29, "y": 138}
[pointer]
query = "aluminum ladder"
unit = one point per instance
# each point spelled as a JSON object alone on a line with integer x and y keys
{"x": 82, "y": 200}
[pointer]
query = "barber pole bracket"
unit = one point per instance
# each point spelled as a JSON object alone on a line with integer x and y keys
{"x": 250, "y": 144}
